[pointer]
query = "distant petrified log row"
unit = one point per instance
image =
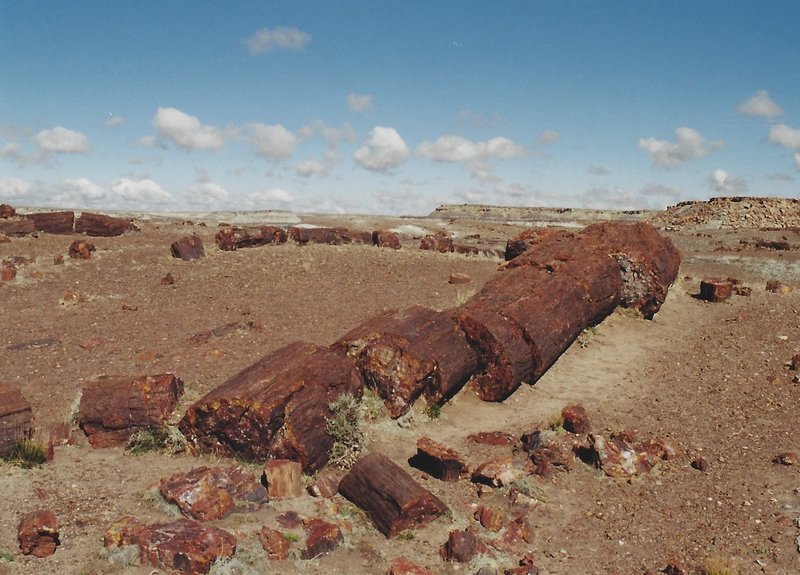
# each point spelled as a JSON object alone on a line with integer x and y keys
{"x": 234, "y": 238}
{"x": 510, "y": 332}
{"x": 276, "y": 408}
{"x": 230, "y": 239}
{"x": 64, "y": 222}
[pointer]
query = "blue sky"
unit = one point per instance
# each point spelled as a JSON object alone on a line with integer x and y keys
{"x": 396, "y": 107}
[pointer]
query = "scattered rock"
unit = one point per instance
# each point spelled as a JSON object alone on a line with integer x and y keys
{"x": 674, "y": 568}
{"x": 575, "y": 419}
{"x": 289, "y": 519}
{"x": 321, "y": 538}
{"x": 700, "y": 464}
{"x": 188, "y": 248}
{"x": 167, "y": 280}
{"x": 459, "y": 278}
{"x": 7, "y": 211}
{"x": 282, "y": 478}
{"x": 776, "y": 286}
{"x": 386, "y": 239}
{"x": 787, "y": 458}
{"x": 389, "y": 495}
{"x": 795, "y": 362}
{"x": 495, "y": 438}
{"x": 438, "y": 242}
{"x": 490, "y": 518}
{"x": 16, "y": 418}
{"x": 463, "y": 545}
{"x": 439, "y": 461}
{"x": 80, "y": 249}
{"x": 715, "y": 289}
{"x": 402, "y": 566}
{"x": 501, "y": 472}
{"x": 208, "y": 493}
{"x": 58, "y": 259}
{"x": 274, "y": 543}
{"x": 741, "y": 290}
{"x": 326, "y": 486}
{"x": 7, "y": 272}
{"x": 38, "y": 533}
{"x": 619, "y": 458}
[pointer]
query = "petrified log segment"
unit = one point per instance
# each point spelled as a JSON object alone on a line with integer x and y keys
{"x": 38, "y": 533}
{"x": 386, "y": 239}
{"x": 188, "y": 248}
{"x": 389, "y": 495}
{"x": 439, "y": 461}
{"x": 229, "y": 239}
{"x": 17, "y": 226}
{"x": 402, "y": 354}
{"x": 331, "y": 236}
{"x": 16, "y": 418}
{"x": 7, "y": 211}
{"x": 438, "y": 242}
{"x": 112, "y": 408}
{"x": 102, "y": 225}
{"x": 276, "y": 408}
{"x": 53, "y": 222}
{"x": 715, "y": 289}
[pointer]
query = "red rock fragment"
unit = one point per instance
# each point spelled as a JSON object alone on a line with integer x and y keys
{"x": 674, "y": 568}
{"x": 58, "y": 259}
{"x": 16, "y": 418}
{"x": 289, "y": 519}
{"x": 402, "y": 566}
{"x": 326, "y": 486}
{"x": 8, "y": 272}
{"x": 575, "y": 419}
{"x": 80, "y": 249}
{"x": 274, "y": 543}
{"x": 715, "y": 289}
{"x": 743, "y": 290}
{"x": 282, "y": 478}
{"x": 548, "y": 459}
{"x": 439, "y": 461}
{"x": 501, "y": 472}
{"x": 459, "y": 278}
{"x": 700, "y": 464}
{"x": 188, "y": 248}
{"x": 463, "y": 545}
{"x": 386, "y": 239}
{"x": 7, "y": 211}
{"x": 438, "y": 242}
{"x": 490, "y": 518}
{"x": 495, "y": 438}
{"x": 167, "y": 280}
{"x": 795, "y": 362}
{"x": 776, "y": 286}
{"x": 787, "y": 458}
{"x": 38, "y": 533}
{"x": 526, "y": 567}
{"x": 321, "y": 538}
{"x": 618, "y": 458}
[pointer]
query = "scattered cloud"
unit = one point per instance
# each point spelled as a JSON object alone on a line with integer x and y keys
{"x": 797, "y": 160}
{"x": 279, "y": 38}
{"x": 549, "y": 137}
{"x": 318, "y": 166}
{"x": 60, "y": 140}
{"x": 113, "y": 121}
{"x": 659, "y": 191}
{"x": 359, "y": 102}
{"x": 760, "y": 104}
{"x": 384, "y": 150}
{"x": 689, "y": 145}
{"x": 272, "y": 142}
{"x": 778, "y": 177}
{"x": 598, "y": 170}
{"x": 268, "y": 199}
{"x": 144, "y": 191}
{"x": 458, "y": 149}
{"x": 785, "y": 136}
{"x": 722, "y": 182}
{"x": 186, "y": 131}
{"x": 14, "y": 152}
{"x": 13, "y": 188}
{"x": 207, "y": 194}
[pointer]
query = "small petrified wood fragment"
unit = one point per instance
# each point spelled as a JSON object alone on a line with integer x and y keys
{"x": 715, "y": 289}
{"x": 16, "y": 418}
{"x": 276, "y": 408}
{"x": 439, "y": 461}
{"x": 112, "y": 408}
{"x": 38, "y": 534}
{"x": 389, "y": 495}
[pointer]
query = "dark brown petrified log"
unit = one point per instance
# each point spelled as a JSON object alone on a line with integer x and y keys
{"x": 276, "y": 408}
{"x": 102, "y": 225}
{"x": 16, "y": 418}
{"x": 389, "y": 495}
{"x": 331, "y": 236}
{"x": 229, "y": 239}
{"x": 53, "y": 222}
{"x": 113, "y": 408}
{"x": 188, "y": 248}
{"x": 402, "y": 354}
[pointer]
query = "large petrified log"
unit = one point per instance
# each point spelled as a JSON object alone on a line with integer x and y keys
{"x": 276, "y": 408}
{"x": 231, "y": 238}
{"x": 16, "y": 419}
{"x": 53, "y": 222}
{"x": 402, "y": 354}
{"x": 93, "y": 224}
{"x": 18, "y": 226}
{"x": 112, "y": 408}
{"x": 389, "y": 495}
{"x": 331, "y": 236}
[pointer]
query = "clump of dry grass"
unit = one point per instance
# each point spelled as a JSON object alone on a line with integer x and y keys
{"x": 717, "y": 565}
{"x": 345, "y": 429}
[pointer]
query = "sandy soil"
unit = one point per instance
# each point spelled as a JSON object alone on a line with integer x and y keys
{"x": 711, "y": 379}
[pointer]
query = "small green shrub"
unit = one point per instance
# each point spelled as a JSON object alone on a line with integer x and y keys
{"x": 27, "y": 454}
{"x": 344, "y": 427}
{"x": 6, "y": 555}
{"x": 167, "y": 439}
{"x": 433, "y": 411}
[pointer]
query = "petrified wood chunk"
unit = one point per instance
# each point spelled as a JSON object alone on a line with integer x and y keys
{"x": 188, "y": 248}
{"x": 112, "y": 408}
{"x": 38, "y": 533}
{"x": 283, "y": 479}
{"x": 276, "y": 408}
{"x": 16, "y": 419}
{"x": 777, "y": 286}
{"x": 386, "y": 239}
{"x": 53, "y": 222}
{"x": 331, "y": 236}
{"x": 274, "y": 543}
{"x": 715, "y": 289}
{"x": 180, "y": 546}
{"x": 438, "y": 242}
{"x": 463, "y": 545}
{"x": 80, "y": 249}
{"x": 389, "y": 495}
{"x": 229, "y": 239}
{"x": 102, "y": 225}
{"x": 7, "y": 211}
{"x": 17, "y": 226}
{"x": 404, "y": 353}
{"x": 439, "y": 461}
{"x": 322, "y": 537}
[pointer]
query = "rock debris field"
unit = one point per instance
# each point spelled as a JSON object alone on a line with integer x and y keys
{"x": 486, "y": 390}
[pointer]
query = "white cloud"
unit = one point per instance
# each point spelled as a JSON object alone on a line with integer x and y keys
{"x": 13, "y": 151}
{"x": 549, "y": 137}
{"x": 186, "y": 131}
{"x": 13, "y": 188}
{"x": 659, "y": 190}
{"x": 62, "y": 141}
{"x": 458, "y": 149}
{"x": 359, "y": 102}
{"x": 266, "y": 39}
{"x": 384, "y": 150}
{"x": 207, "y": 194}
{"x": 272, "y": 142}
{"x": 85, "y": 188}
{"x": 722, "y": 182}
{"x": 268, "y": 199}
{"x": 113, "y": 121}
{"x": 139, "y": 192}
{"x": 689, "y": 145}
{"x": 785, "y": 136}
{"x": 797, "y": 160}
{"x": 761, "y": 105}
